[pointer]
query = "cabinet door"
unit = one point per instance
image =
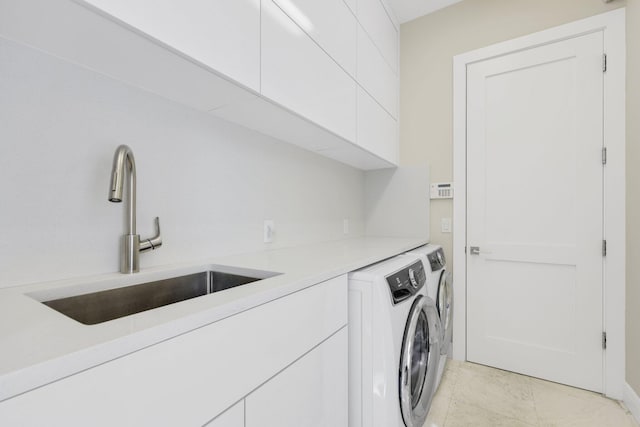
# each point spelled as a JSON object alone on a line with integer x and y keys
{"x": 232, "y": 417}
{"x": 377, "y": 130}
{"x": 329, "y": 23}
{"x": 300, "y": 76}
{"x": 222, "y": 34}
{"x": 352, "y": 5}
{"x": 313, "y": 392}
{"x": 375, "y": 75}
{"x": 376, "y": 22}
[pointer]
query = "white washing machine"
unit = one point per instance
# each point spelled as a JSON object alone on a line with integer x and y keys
{"x": 440, "y": 289}
{"x": 394, "y": 344}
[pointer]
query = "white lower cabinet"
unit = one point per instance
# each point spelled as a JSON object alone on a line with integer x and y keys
{"x": 192, "y": 378}
{"x": 232, "y": 417}
{"x": 312, "y": 392}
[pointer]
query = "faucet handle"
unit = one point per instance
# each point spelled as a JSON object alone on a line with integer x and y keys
{"x": 154, "y": 242}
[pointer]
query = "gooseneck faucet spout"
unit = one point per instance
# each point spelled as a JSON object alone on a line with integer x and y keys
{"x": 131, "y": 245}
{"x": 124, "y": 157}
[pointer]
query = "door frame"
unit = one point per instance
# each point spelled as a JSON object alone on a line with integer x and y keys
{"x": 612, "y": 24}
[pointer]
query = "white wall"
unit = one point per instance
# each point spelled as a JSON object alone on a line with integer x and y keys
{"x": 397, "y": 202}
{"x": 211, "y": 183}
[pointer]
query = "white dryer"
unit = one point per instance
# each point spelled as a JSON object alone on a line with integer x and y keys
{"x": 440, "y": 288}
{"x": 394, "y": 344}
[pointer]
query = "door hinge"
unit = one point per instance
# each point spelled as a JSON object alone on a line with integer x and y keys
{"x": 604, "y": 62}
{"x": 604, "y": 155}
{"x": 604, "y": 340}
{"x": 604, "y": 248}
{"x": 465, "y": 249}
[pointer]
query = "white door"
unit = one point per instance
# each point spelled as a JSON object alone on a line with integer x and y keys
{"x": 534, "y": 210}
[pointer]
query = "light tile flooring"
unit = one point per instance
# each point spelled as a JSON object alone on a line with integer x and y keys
{"x": 479, "y": 396}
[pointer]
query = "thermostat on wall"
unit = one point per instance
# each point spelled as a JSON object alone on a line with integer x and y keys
{"x": 442, "y": 190}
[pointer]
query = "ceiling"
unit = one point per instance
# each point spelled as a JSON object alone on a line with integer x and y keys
{"x": 407, "y": 10}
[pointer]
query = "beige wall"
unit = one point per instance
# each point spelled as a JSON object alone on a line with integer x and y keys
{"x": 428, "y": 45}
{"x": 633, "y": 194}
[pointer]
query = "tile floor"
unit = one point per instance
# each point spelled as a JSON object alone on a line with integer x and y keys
{"x": 479, "y": 396}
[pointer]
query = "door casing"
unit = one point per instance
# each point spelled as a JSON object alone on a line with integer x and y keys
{"x": 612, "y": 25}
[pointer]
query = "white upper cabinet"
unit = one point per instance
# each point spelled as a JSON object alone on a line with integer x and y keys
{"x": 299, "y": 75}
{"x": 374, "y": 19}
{"x": 221, "y": 34}
{"x": 287, "y": 68}
{"x": 329, "y": 23}
{"x": 375, "y": 75}
{"x": 353, "y": 4}
{"x": 232, "y": 417}
{"x": 377, "y": 130}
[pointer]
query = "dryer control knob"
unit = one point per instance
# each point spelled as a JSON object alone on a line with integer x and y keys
{"x": 412, "y": 278}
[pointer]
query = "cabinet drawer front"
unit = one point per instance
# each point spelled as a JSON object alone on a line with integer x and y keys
{"x": 222, "y": 34}
{"x": 329, "y": 23}
{"x": 190, "y": 379}
{"x": 377, "y": 130}
{"x": 375, "y": 75}
{"x": 300, "y": 76}
{"x": 376, "y": 22}
{"x": 313, "y": 389}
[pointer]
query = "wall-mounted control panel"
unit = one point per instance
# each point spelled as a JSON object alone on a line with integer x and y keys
{"x": 442, "y": 190}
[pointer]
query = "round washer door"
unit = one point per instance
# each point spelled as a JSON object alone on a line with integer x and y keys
{"x": 419, "y": 361}
{"x": 444, "y": 303}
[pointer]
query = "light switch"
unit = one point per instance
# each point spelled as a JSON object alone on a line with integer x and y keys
{"x": 445, "y": 224}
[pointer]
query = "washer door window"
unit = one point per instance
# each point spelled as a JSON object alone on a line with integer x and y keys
{"x": 444, "y": 304}
{"x": 419, "y": 361}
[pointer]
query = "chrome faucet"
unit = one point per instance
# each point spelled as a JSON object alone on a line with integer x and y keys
{"x": 131, "y": 244}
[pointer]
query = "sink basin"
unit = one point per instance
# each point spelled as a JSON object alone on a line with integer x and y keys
{"x": 101, "y": 306}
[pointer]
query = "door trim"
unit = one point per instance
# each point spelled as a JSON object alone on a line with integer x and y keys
{"x": 612, "y": 25}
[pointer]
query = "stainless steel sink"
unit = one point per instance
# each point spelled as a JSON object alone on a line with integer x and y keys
{"x": 98, "y": 307}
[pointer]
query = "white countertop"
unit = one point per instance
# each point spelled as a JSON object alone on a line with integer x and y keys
{"x": 40, "y": 345}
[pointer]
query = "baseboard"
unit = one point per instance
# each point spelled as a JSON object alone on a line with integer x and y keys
{"x": 632, "y": 401}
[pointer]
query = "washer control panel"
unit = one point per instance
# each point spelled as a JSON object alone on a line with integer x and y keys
{"x": 436, "y": 259}
{"x": 407, "y": 282}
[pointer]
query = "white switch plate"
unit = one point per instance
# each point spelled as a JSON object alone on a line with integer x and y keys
{"x": 345, "y": 226}
{"x": 269, "y": 229}
{"x": 445, "y": 224}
